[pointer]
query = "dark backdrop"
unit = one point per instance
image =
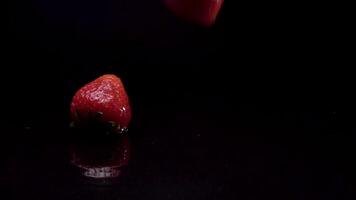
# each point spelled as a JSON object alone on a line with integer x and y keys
{"x": 249, "y": 108}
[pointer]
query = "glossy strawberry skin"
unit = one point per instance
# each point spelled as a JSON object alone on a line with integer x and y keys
{"x": 203, "y": 12}
{"x": 105, "y": 95}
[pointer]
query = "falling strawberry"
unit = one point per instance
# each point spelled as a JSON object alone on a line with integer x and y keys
{"x": 102, "y": 105}
{"x": 203, "y": 12}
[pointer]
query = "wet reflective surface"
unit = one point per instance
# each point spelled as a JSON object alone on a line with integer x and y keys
{"x": 101, "y": 160}
{"x": 187, "y": 152}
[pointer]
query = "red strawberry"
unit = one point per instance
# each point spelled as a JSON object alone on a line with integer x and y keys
{"x": 203, "y": 12}
{"x": 102, "y": 101}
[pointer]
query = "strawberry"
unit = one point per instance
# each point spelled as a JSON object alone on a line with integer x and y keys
{"x": 101, "y": 104}
{"x": 203, "y": 12}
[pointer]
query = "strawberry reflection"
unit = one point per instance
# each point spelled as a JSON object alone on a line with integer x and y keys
{"x": 104, "y": 157}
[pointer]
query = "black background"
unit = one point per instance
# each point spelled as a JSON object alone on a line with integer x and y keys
{"x": 253, "y": 107}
